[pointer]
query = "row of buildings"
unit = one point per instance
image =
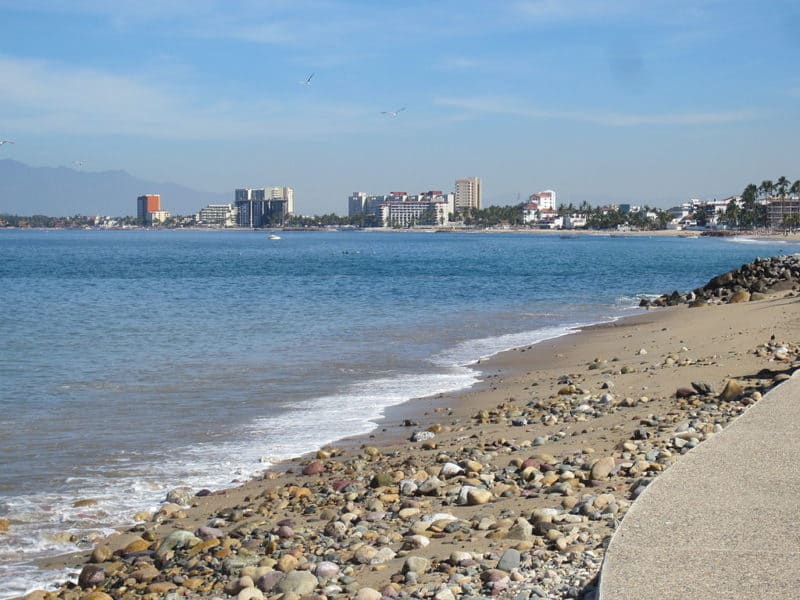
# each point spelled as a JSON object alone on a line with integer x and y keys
{"x": 252, "y": 207}
{"x": 434, "y": 207}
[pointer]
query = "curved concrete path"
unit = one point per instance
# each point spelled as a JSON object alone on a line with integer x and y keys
{"x": 722, "y": 522}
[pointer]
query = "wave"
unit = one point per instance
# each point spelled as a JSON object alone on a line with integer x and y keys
{"x": 759, "y": 241}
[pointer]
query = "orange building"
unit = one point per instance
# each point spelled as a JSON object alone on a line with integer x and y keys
{"x": 147, "y": 203}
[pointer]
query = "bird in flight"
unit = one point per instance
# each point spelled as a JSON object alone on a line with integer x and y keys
{"x": 307, "y": 80}
{"x": 393, "y": 113}
{"x": 6, "y": 142}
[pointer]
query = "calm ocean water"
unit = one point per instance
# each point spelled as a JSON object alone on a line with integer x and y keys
{"x": 132, "y": 362}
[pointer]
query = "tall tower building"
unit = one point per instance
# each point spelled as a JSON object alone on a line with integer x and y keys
{"x": 146, "y": 204}
{"x": 468, "y": 193}
{"x": 286, "y": 194}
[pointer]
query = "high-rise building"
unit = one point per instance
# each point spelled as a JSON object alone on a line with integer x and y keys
{"x": 356, "y": 204}
{"x": 147, "y": 203}
{"x": 468, "y": 193}
{"x": 286, "y": 194}
{"x": 257, "y": 207}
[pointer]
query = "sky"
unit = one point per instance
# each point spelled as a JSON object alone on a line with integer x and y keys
{"x": 644, "y": 101}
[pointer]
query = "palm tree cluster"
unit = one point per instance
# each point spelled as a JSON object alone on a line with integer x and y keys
{"x": 752, "y": 212}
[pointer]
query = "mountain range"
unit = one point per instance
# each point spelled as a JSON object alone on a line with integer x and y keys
{"x": 61, "y": 192}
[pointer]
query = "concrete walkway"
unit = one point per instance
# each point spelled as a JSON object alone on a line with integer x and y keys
{"x": 724, "y": 521}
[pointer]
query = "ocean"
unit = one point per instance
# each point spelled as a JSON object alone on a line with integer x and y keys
{"x": 132, "y": 362}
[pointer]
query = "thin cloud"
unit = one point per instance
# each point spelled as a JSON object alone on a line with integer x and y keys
{"x": 42, "y": 97}
{"x": 511, "y": 107}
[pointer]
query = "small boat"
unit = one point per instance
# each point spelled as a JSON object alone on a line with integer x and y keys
{"x": 272, "y": 236}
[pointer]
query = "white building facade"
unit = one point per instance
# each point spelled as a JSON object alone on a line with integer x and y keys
{"x": 217, "y": 215}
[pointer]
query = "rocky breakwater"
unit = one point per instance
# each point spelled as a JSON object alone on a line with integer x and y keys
{"x": 756, "y": 280}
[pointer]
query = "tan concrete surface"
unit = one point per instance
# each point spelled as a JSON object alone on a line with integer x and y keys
{"x": 724, "y": 521}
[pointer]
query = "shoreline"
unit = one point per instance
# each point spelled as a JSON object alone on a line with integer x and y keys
{"x": 518, "y": 413}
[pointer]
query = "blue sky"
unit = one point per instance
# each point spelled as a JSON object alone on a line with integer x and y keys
{"x": 643, "y": 101}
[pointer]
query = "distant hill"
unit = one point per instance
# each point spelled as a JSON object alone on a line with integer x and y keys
{"x": 60, "y": 192}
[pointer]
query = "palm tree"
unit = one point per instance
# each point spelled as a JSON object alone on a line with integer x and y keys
{"x": 747, "y": 214}
{"x": 781, "y": 186}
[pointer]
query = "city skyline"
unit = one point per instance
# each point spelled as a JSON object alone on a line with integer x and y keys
{"x": 646, "y": 102}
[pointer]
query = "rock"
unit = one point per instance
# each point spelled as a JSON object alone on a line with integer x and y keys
{"x": 86, "y": 502}
{"x": 733, "y": 391}
{"x": 740, "y": 296}
{"x": 146, "y": 573}
{"x": 510, "y": 560}
{"x": 444, "y": 594}
{"x": 431, "y": 486}
{"x": 177, "y": 539}
{"x": 326, "y": 569}
{"x": 367, "y": 593}
{"x": 477, "y": 496}
{"x": 90, "y": 576}
{"x": 315, "y": 467}
{"x": 450, "y": 470}
{"x": 364, "y": 554}
{"x": 416, "y": 542}
{"x": 421, "y": 436}
{"x": 383, "y": 555}
{"x": 207, "y": 533}
{"x": 180, "y": 495}
{"x": 602, "y": 468}
{"x": 286, "y": 563}
{"x": 381, "y": 480}
{"x": 684, "y": 392}
{"x": 268, "y": 581}
{"x": 522, "y": 530}
{"x": 297, "y": 582}
{"x": 251, "y": 593}
{"x": 416, "y": 564}
{"x": 5, "y": 524}
{"x": 97, "y": 595}
{"x": 284, "y": 532}
{"x": 161, "y": 587}
{"x": 703, "y": 388}
{"x": 101, "y": 553}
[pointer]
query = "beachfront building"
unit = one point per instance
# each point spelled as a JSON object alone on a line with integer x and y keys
{"x": 408, "y": 213}
{"x": 360, "y": 203}
{"x": 545, "y": 199}
{"x": 147, "y": 203}
{"x": 574, "y": 220}
{"x": 155, "y": 217}
{"x": 256, "y": 208}
{"x": 549, "y": 219}
{"x": 530, "y": 213}
{"x": 401, "y": 209}
{"x": 468, "y": 194}
{"x": 217, "y": 215}
{"x": 783, "y": 213}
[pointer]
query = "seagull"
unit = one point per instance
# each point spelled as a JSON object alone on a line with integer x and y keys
{"x": 6, "y": 142}
{"x": 307, "y": 80}
{"x": 393, "y": 113}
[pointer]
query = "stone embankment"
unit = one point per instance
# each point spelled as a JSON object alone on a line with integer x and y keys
{"x": 750, "y": 282}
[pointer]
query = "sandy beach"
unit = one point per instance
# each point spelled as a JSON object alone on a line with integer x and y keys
{"x": 510, "y": 489}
